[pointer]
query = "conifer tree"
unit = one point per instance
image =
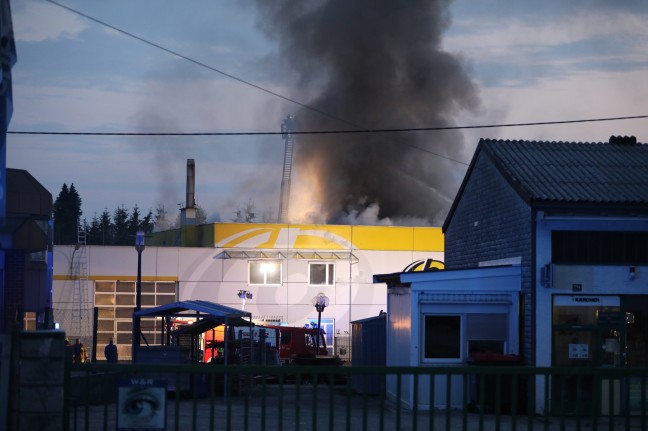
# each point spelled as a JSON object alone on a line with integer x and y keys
{"x": 67, "y": 215}
{"x": 122, "y": 235}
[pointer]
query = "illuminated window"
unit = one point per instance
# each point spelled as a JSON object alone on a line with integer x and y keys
{"x": 321, "y": 274}
{"x": 265, "y": 273}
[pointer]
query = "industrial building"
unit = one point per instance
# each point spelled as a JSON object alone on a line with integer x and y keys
{"x": 271, "y": 270}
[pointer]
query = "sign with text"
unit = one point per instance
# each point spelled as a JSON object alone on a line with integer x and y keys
{"x": 141, "y": 404}
{"x": 578, "y": 351}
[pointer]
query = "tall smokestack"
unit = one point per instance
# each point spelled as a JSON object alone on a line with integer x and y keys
{"x": 191, "y": 183}
{"x": 377, "y": 64}
{"x": 188, "y": 213}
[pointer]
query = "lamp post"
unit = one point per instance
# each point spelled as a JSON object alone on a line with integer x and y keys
{"x": 139, "y": 246}
{"x": 320, "y": 302}
{"x": 243, "y": 294}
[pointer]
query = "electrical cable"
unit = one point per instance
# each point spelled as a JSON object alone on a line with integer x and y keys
{"x": 329, "y": 132}
{"x": 359, "y": 129}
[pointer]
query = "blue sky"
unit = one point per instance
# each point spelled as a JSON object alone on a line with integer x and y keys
{"x": 530, "y": 61}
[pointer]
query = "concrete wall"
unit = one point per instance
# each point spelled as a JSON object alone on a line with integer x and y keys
{"x": 38, "y": 373}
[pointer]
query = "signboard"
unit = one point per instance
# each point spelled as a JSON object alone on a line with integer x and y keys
{"x": 586, "y": 301}
{"x": 141, "y": 404}
{"x": 578, "y": 351}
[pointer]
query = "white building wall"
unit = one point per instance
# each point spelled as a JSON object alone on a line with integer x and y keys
{"x": 203, "y": 273}
{"x": 458, "y": 292}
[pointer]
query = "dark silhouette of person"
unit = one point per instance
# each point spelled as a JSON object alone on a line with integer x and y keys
{"x": 111, "y": 352}
{"x": 77, "y": 351}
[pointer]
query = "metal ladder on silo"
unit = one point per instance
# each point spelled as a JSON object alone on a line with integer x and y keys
{"x": 79, "y": 294}
{"x": 284, "y": 197}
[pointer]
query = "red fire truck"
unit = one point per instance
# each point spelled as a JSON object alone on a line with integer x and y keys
{"x": 213, "y": 339}
{"x": 300, "y": 344}
{"x": 295, "y": 344}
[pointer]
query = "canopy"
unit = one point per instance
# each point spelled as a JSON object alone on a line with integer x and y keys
{"x": 207, "y": 314}
{"x": 195, "y": 309}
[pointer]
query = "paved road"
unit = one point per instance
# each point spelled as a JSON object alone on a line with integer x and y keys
{"x": 304, "y": 408}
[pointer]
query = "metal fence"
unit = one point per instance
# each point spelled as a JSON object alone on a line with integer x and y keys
{"x": 216, "y": 397}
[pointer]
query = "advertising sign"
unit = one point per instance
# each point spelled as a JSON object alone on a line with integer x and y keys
{"x": 141, "y": 404}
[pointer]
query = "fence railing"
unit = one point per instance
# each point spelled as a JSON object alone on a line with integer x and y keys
{"x": 209, "y": 397}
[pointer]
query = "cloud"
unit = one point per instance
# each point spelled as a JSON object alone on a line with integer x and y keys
{"x": 39, "y": 21}
{"x": 611, "y": 36}
{"x": 583, "y": 95}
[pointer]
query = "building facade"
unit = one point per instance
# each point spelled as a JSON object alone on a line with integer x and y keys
{"x": 271, "y": 270}
{"x": 573, "y": 217}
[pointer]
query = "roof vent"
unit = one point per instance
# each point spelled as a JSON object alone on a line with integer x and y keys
{"x": 623, "y": 140}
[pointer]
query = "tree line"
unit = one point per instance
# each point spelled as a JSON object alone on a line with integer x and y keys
{"x": 116, "y": 228}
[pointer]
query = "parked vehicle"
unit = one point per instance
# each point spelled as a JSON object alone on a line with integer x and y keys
{"x": 264, "y": 340}
{"x": 298, "y": 346}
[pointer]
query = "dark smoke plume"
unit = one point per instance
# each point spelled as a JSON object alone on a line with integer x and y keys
{"x": 375, "y": 64}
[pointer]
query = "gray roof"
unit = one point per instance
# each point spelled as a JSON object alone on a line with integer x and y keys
{"x": 576, "y": 175}
{"x": 573, "y": 172}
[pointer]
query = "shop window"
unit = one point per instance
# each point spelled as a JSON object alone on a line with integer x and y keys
{"x": 321, "y": 274}
{"x": 265, "y": 273}
{"x": 442, "y": 337}
{"x": 599, "y": 247}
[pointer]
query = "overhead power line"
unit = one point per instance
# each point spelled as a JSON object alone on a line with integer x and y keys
{"x": 332, "y": 132}
{"x": 358, "y": 128}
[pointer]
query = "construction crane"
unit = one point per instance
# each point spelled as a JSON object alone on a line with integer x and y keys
{"x": 287, "y": 129}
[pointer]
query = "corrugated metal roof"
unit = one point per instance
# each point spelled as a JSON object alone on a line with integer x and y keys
{"x": 573, "y": 172}
{"x": 193, "y": 308}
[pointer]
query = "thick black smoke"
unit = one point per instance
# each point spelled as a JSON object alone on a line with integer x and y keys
{"x": 375, "y": 64}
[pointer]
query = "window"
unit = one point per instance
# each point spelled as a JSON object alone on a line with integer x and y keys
{"x": 486, "y": 332}
{"x": 115, "y": 301}
{"x": 321, "y": 274}
{"x": 286, "y": 337}
{"x": 599, "y": 247}
{"x": 265, "y": 273}
{"x": 442, "y": 337}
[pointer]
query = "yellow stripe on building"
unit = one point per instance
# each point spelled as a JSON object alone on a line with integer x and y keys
{"x": 327, "y": 237}
{"x": 117, "y": 277}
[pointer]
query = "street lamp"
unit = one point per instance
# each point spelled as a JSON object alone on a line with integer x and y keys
{"x": 243, "y": 294}
{"x": 139, "y": 246}
{"x": 320, "y": 302}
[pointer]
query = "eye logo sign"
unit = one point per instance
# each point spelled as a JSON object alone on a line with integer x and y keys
{"x": 141, "y": 404}
{"x": 424, "y": 265}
